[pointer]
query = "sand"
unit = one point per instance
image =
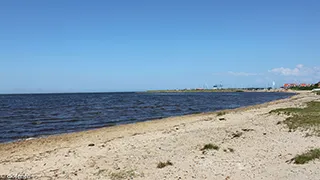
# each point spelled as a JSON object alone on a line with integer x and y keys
{"x": 133, "y": 151}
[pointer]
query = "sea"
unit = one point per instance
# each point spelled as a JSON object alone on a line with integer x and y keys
{"x": 33, "y": 115}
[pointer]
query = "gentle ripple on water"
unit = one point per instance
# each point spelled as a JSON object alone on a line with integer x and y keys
{"x": 32, "y": 115}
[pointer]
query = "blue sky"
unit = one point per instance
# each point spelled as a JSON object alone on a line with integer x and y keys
{"x": 75, "y": 46}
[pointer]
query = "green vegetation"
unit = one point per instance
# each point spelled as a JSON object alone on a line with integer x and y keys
{"x": 304, "y": 88}
{"x": 210, "y": 146}
{"x": 221, "y": 113}
{"x": 318, "y": 93}
{"x": 307, "y": 156}
{"x": 164, "y": 164}
{"x": 286, "y": 111}
{"x": 123, "y": 175}
{"x": 306, "y": 118}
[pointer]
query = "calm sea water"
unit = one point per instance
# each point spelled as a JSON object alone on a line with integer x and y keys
{"x": 31, "y": 115}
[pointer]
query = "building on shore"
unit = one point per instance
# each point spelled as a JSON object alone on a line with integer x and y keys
{"x": 290, "y": 85}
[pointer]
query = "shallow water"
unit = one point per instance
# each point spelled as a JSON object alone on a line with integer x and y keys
{"x": 31, "y": 115}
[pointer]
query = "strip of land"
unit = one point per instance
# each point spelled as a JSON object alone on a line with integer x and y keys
{"x": 245, "y": 143}
{"x": 217, "y": 90}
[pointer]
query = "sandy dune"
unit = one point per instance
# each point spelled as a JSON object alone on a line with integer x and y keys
{"x": 133, "y": 151}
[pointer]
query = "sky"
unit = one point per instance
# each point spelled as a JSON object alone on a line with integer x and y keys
{"x": 125, "y": 45}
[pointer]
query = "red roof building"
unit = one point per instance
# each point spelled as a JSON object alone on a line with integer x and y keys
{"x": 287, "y": 85}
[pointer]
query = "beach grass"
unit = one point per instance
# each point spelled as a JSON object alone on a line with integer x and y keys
{"x": 221, "y": 113}
{"x": 210, "y": 146}
{"x": 164, "y": 164}
{"x": 307, "y": 156}
{"x": 307, "y": 118}
{"x": 123, "y": 174}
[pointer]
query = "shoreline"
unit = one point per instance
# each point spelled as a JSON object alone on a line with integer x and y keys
{"x": 154, "y": 119}
{"x": 138, "y": 147}
{"x": 218, "y": 90}
{"x": 171, "y": 117}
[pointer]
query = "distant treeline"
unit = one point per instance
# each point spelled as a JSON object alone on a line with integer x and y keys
{"x": 305, "y": 88}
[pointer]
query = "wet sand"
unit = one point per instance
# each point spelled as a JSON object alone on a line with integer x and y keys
{"x": 133, "y": 151}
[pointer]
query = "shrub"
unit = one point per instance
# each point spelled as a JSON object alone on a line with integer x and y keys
{"x": 307, "y": 156}
{"x": 164, "y": 164}
{"x": 210, "y": 146}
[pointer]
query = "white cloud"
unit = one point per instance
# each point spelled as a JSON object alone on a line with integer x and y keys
{"x": 300, "y": 66}
{"x": 286, "y": 71}
{"x": 299, "y": 71}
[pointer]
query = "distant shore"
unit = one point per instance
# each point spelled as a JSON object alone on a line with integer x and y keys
{"x": 217, "y": 90}
{"x": 247, "y": 144}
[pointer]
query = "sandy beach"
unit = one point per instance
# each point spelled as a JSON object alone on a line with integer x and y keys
{"x": 250, "y": 146}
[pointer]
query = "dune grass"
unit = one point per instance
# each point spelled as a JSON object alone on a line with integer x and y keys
{"x": 221, "y": 113}
{"x": 307, "y": 156}
{"x": 164, "y": 164}
{"x": 210, "y": 146}
{"x": 307, "y": 118}
{"x": 123, "y": 174}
